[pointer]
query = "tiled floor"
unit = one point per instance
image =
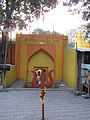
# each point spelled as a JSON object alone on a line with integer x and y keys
{"x": 59, "y": 105}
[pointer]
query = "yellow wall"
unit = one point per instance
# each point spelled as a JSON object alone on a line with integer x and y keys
{"x": 40, "y": 59}
{"x": 58, "y": 61}
{"x": 70, "y": 67}
{"x": 10, "y": 76}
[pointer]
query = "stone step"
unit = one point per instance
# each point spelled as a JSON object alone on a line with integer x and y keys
{"x": 18, "y": 84}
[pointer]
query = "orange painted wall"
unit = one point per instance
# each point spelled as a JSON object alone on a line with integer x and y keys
{"x": 18, "y": 59}
{"x": 9, "y": 54}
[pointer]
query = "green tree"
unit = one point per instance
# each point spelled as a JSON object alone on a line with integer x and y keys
{"x": 86, "y": 31}
{"x": 41, "y": 31}
{"x": 17, "y": 12}
{"x": 80, "y": 7}
{"x": 72, "y": 37}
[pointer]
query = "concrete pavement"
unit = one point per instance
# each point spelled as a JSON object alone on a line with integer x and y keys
{"x": 59, "y": 105}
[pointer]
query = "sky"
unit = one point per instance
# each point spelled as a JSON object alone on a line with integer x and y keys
{"x": 58, "y": 19}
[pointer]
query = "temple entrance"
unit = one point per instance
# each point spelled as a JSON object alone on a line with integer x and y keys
{"x": 38, "y": 61}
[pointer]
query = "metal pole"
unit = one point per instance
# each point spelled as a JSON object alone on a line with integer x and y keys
{"x": 42, "y": 78}
{"x": 42, "y": 104}
{"x": 43, "y": 110}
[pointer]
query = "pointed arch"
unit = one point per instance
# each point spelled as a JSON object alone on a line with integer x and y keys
{"x": 44, "y": 54}
{"x": 50, "y": 49}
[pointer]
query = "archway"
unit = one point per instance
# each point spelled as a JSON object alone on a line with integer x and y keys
{"x": 40, "y": 60}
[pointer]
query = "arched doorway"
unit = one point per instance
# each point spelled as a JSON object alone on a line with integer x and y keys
{"x": 40, "y": 60}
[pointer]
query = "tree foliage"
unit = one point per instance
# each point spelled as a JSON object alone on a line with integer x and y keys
{"x": 80, "y": 7}
{"x": 17, "y": 12}
{"x": 41, "y": 31}
{"x": 72, "y": 37}
{"x": 86, "y": 31}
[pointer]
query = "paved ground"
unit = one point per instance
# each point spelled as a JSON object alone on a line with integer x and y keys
{"x": 59, "y": 105}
